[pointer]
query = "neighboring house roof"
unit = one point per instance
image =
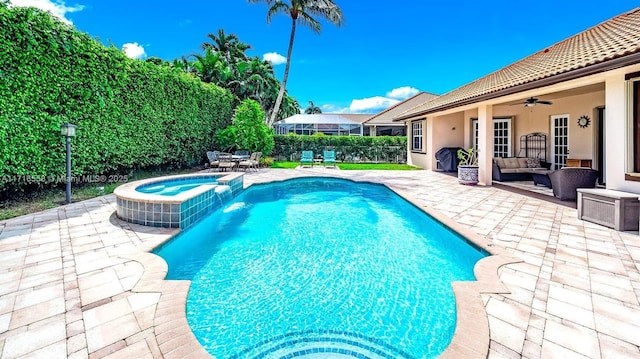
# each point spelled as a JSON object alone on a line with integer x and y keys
{"x": 386, "y": 116}
{"x": 612, "y": 44}
{"x": 358, "y": 117}
{"x": 324, "y": 118}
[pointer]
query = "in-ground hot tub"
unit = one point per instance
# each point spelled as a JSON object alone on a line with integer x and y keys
{"x": 175, "y": 201}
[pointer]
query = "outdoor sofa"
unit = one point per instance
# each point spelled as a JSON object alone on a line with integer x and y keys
{"x": 517, "y": 168}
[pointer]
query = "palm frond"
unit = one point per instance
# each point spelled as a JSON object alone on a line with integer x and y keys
{"x": 277, "y": 8}
{"x": 307, "y": 20}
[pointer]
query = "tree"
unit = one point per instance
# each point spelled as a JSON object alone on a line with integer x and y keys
{"x": 228, "y": 46}
{"x": 248, "y": 131}
{"x": 303, "y": 11}
{"x": 312, "y": 109}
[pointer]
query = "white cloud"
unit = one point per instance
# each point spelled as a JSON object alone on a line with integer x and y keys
{"x": 402, "y": 93}
{"x": 56, "y": 8}
{"x": 371, "y": 104}
{"x": 330, "y": 108}
{"x": 133, "y": 50}
{"x": 274, "y": 58}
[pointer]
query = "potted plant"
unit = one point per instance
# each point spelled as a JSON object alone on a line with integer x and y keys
{"x": 468, "y": 166}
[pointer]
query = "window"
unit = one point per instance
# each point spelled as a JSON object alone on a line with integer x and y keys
{"x": 416, "y": 136}
{"x": 501, "y": 136}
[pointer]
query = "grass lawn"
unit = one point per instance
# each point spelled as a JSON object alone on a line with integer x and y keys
{"x": 355, "y": 166}
{"x": 46, "y": 199}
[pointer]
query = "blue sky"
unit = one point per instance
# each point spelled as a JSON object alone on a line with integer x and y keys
{"x": 406, "y": 46}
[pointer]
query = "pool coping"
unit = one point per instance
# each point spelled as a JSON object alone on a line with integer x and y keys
{"x": 470, "y": 340}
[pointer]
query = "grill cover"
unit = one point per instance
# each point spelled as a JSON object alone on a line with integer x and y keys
{"x": 448, "y": 159}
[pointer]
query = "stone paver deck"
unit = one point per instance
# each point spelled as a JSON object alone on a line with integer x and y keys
{"x": 77, "y": 282}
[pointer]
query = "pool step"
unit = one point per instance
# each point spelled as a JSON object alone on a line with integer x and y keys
{"x": 315, "y": 344}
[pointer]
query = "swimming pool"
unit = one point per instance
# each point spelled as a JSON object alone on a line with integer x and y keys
{"x": 178, "y": 185}
{"x": 314, "y": 265}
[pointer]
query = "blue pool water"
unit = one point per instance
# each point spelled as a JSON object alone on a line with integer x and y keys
{"x": 312, "y": 266}
{"x": 175, "y": 186}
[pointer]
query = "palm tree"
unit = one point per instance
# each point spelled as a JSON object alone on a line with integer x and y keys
{"x": 312, "y": 109}
{"x": 303, "y": 10}
{"x": 229, "y": 46}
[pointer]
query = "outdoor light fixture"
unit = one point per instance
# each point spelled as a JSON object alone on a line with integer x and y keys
{"x": 68, "y": 130}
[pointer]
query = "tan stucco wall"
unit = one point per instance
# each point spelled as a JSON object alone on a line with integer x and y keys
{"x": 444, "y": 131}
{"x": 447, "y": 131}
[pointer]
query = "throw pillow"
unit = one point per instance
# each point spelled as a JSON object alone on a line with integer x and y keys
{"x": 533, "y": 163}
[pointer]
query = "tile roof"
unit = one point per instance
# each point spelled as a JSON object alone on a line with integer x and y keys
{"x": 386, "y": 116}
{"x": 614, "y": 39}
{"x": 358, "y": 117}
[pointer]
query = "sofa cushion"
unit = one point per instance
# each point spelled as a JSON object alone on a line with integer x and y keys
{"x": 522, "y": 162}
{"x": 512, "y": 162}
{"x": 509, "y": 170}
{"x": 499, "y": 162}
{"x": 533, "y": 163}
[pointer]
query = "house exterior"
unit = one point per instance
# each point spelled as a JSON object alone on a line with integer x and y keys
{"x": 327, "y": 123}
{"x": 382, "y": 124}
{"x": 351, "y": 124}
{"x": 592, "y": 82}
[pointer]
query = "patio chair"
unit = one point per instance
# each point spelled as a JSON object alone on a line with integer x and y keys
{"x": 212, "y": 156}
{"x": 226, "y": 161}
{"x": 329, "y": 158}
{"x": 566, "y": 180}
{"x": 306, "y": 158}
{"x": 252, "y": 162}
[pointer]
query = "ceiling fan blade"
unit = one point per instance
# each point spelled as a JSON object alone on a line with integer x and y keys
{"x": 545, "y": 102}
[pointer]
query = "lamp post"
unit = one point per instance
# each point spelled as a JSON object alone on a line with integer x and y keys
{"x": 68, "y": 130}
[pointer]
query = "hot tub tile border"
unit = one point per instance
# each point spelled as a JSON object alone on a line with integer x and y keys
{"x": 180, "y": 211}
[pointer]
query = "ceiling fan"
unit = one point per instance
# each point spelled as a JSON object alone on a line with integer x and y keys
{"x": 532, "y": 101}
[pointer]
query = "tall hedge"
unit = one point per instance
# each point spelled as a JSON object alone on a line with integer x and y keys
{"x": 129, "y": 113}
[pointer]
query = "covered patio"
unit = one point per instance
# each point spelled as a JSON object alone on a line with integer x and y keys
{"x": 582, "y": 94}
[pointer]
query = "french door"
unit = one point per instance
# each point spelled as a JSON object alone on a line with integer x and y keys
{"x": 559, "y": 141}
{"x": 502, "y": 146}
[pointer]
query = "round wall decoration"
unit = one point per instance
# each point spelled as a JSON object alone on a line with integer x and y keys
{"x": 584, "y": 121}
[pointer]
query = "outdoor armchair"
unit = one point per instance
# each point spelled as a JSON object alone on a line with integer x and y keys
{"x": 306, "y": 158}
{"x": 252, "y": 162}
{"x": 566, "y": 180}
{"x": 329, "y": 158}
{"x": 212, "y": 157}
{"x": 226, "y": 161}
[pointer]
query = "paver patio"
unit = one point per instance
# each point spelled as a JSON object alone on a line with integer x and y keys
{"x": 77, "y": 282}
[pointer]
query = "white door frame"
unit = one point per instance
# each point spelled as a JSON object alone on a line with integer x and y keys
{"x": 509, "y": 138}
{"x": 559, "y": 132}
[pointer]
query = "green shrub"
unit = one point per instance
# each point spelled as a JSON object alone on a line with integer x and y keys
{"x": 248, "y": 132}
{"x": 348, "y": 148}
{"x": 129, "y": 114}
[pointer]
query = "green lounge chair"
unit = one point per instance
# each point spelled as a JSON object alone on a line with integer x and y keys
{"x": 329, "y": 158}
{"x": 306, "y": 158}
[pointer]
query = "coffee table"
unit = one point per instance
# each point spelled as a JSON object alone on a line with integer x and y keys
{"x": 541, "y": 177}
